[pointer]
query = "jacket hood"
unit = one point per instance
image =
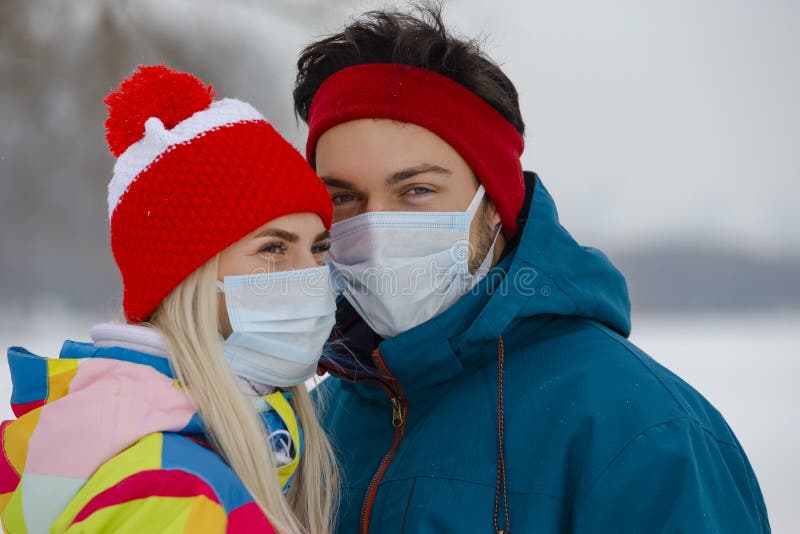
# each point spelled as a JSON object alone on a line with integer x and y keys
{"x": 80, "y": 411}
{"x": 126, "y": 385}
{"x": 546, "y": 273}
{"x": 131, "y": 386}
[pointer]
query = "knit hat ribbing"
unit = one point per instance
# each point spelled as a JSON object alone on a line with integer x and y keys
{"x": 192, "y": 177}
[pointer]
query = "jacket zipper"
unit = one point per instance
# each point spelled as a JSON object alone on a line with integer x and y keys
{"x": 399, "y": 416}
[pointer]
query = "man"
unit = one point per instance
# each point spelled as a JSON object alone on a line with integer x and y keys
{"x": 482, "y": 376}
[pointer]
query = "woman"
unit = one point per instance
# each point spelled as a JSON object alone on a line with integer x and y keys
{"x": 193, "y": 416}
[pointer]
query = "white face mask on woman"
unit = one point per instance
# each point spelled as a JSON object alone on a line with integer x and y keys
{"x": 400, "y": 268}
{"x": 280, "y": 323}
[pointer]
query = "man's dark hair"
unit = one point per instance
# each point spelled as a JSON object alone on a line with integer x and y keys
{"x": 419, "y": 39}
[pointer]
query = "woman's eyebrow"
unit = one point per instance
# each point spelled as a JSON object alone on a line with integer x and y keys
{"x": 282, "y": 234}
{"x": 323, "y": 236}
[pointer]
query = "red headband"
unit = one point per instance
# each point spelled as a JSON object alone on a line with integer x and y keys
{"x": 489, "y": 144}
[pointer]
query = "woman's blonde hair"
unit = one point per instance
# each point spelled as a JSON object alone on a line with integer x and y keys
{"x": 188, "y": 320}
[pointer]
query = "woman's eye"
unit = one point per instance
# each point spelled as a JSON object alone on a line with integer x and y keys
{"x": 321, "y": 248}
{"x": 341, "y": 198}
{"x": 274, "y": 248}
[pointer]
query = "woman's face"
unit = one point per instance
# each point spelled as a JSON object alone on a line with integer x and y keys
{"x": 296, "y": 241}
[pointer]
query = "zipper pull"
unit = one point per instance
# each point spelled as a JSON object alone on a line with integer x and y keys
{"x": 397, "y": 413}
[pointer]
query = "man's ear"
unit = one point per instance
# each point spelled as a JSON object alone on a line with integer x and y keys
{"x": 492, "y": 214}
{"x": 494, "y": 218}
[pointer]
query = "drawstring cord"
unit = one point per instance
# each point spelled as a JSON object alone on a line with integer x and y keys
{"x": 501, "y": 460}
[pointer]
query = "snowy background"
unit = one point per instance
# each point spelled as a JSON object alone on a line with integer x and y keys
{"x": 668, "y": 133}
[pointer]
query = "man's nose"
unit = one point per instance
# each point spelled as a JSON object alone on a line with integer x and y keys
{"x": 375, "y": 203}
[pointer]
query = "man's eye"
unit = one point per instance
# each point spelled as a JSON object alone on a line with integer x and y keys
{"x": 419, "y": 190}
{"x": 321, "y": 248}
{"x": 341, "y": 198}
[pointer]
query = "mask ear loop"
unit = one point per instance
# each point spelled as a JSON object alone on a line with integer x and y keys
{"x": 282, "y": 441}
{"x": 476, "y": 201}
{"x": 486, "y": 264}
{"x": 472, "y": 209}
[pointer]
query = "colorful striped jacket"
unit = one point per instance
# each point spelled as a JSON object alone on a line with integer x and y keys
{"x": 106, "y": 441}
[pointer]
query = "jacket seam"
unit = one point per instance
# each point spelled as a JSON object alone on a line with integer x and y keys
{"x": 555, "y": 282}
{"x": 408, "y": 505}
{"x": 663, "y": 384}
{"x": 625, "y": 447}
{"x": 456, "y": 479}
{"x": 189, "y": 473}
{"x": 200, "y": 476}
{"x": 5, "y": 451}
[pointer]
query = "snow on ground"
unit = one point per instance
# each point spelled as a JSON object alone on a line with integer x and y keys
{"x": 746, "y": 365}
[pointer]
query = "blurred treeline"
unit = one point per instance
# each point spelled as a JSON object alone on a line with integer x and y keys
{"x": 57, "y": 62}
{"x": 58, "y": 59}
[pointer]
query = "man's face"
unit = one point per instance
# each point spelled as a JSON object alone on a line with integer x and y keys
{"x": 385, "y": 165}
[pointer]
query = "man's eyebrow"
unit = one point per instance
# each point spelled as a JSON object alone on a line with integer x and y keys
{"x": 337, "y": 182}
{"x": 399, "y": 176}
{"x": 323, "y": 236}
{"x": 277, "y": 232}
{"x": 405, "y": 174}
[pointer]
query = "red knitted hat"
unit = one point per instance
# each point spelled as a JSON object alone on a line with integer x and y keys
{"x": 192, "y": 177}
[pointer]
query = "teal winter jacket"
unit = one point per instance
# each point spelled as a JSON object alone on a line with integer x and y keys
{"x": 590, "y": 433}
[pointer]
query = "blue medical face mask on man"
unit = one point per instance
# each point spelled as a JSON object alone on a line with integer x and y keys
{"x": 400, "y": 268}
{"x": 280, "y": 323}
